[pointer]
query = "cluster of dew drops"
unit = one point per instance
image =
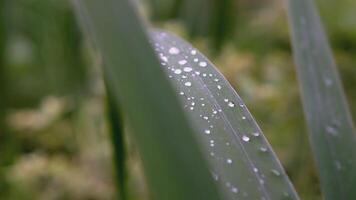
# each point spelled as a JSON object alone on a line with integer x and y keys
{"x": 183, "y": 69}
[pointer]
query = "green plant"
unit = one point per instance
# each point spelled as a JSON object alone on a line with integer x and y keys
{"x": 214, "y": 130}
{"x": 332, "y": 132}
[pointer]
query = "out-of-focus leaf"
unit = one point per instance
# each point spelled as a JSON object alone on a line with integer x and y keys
{"x": 118, "y": 141}
{"x": 332, "y": 132}
{"x": 242, "y": 161}
{"x": 164, "y": 9}
{"x": 174, "y": 166}
{"x": 213, "y": 18}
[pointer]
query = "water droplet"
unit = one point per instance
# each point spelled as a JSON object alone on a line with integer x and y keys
{"x": 215, "y": 176}
{"x": 226, "y": 100}
{"x": 196, "y": 60}
{"x": 216, "y": 80}
{"x": 187, "y": 69}
{"x": 193, "y": 52}
{"x": 207, "y": 131}
{"x": 243, "y": 117}
{"x": 188, "y": 84}
{"x": 328, "y": 81}
{"x": 261, "y": 181}
{"x": 338, "y": 165}
{"x": 173, "y": 51}
{"x": 263, "y": 149}
{"x": 331, "y": 130}
{"x": 234, "y": 190}
{"x": 182, "y": 62}
{"x": 285, "y": 194}
{"x": 231, "y": 104}
{"x": 203, "y": 64}
{"x": 256, "y": 134}
{"x": 275, "y": 172}
{"x": 164, "y": 58}
{"x": 177, "y": 71}
{"x": 229, "y": 161}
{"x": 245, "y": 138}
{"x": 219, "y": 87}
{"x": 255, "y": 169}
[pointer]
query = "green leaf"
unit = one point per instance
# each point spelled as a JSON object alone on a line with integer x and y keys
{"x": 332, "y": 133}
{"x": 212, "y": 18}
{"x": 118, "y": 140}
{"x": 241, "y": 159}
{"x": 174, "y": 166}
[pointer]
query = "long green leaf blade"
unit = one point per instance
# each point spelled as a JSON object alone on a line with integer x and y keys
{"x": 241, "y": 159}
{"x": 174, "y": 166}
{"x": 332, "y": 133}
{"x": 118, "y": 140}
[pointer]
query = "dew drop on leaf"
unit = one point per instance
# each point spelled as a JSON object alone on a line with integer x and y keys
{"x": 231, "y": 104}
{"x": 182, "y": 62}
{"x": 203, "y": 64}
{"x": 331, "y": 130}
{"x": 187, "y": 69}
{"x": 275, "y": 172}
{"x": 263, "y": 149}
{"x": 177, "y": 71}
{"x": 234, "y": 190}
{"x": 245, "y": 138}
{"x": 173, "y": 50}
{"x": 188, "y": 84}
{"x": 256, "y": 134}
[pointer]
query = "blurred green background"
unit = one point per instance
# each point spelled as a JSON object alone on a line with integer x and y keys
{"x": 54, "y": 133}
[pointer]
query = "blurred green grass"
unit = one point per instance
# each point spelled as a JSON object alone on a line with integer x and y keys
{"x": 54, "y": 140}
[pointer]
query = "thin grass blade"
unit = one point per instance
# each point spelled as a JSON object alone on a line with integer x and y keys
{"x": 174, "y": 166}
{"x": 118, "y": 140}
{"x": 242, "y": 162}
{"x": 332, "y": 132}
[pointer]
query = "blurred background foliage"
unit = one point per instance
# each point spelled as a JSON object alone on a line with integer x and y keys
{"x": 54, "y": 125}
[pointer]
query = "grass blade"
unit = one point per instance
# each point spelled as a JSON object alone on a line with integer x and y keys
{"x": 174, "y": 165}
{"x": 332, "y": 133}
{"x": 212, "y": 18}
{"x": 241, "y": 159}
{"x": 118, "y": 140}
